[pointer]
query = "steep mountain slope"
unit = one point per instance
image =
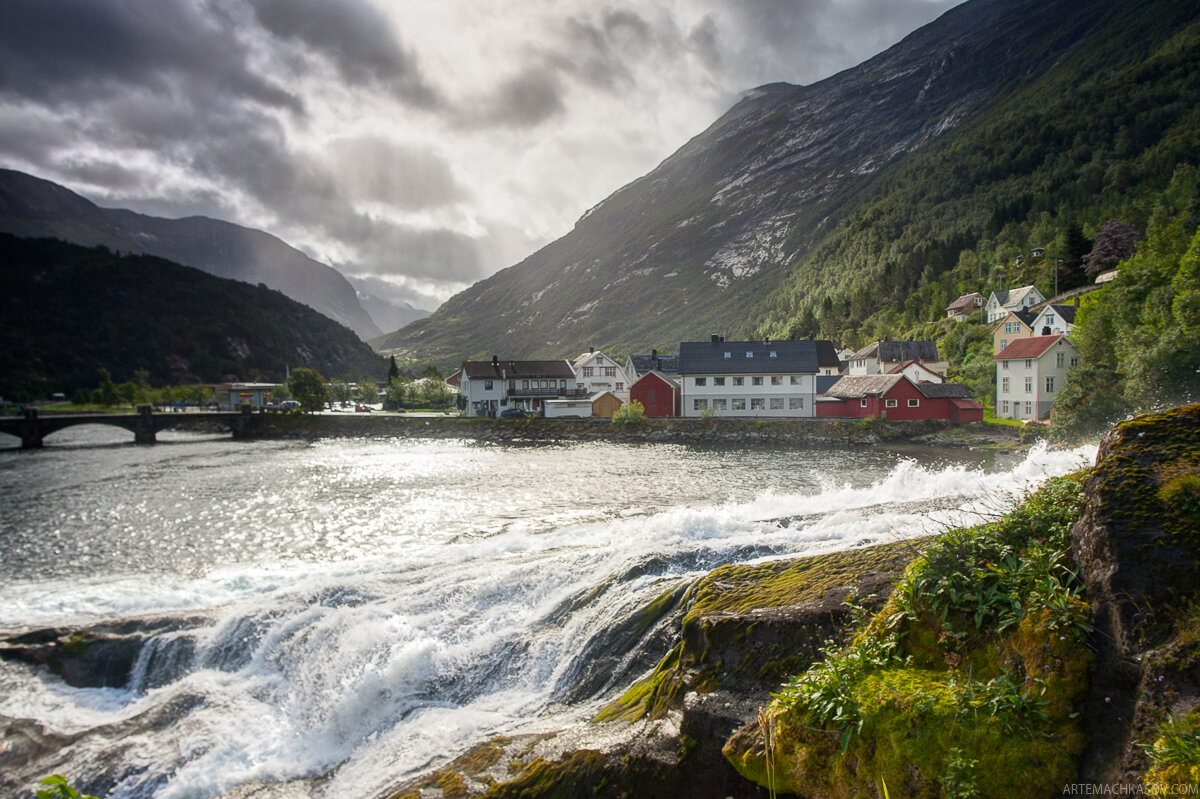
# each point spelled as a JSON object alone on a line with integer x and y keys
{"x": 67, "y": 310}
{"x": 694, "y": 246}
{"x": 34, "y": 208}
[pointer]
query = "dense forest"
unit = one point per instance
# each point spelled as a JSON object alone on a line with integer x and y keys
{"x": 69, "y": 311}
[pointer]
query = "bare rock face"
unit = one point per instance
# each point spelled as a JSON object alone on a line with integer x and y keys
{"x": 1138, "y": 548}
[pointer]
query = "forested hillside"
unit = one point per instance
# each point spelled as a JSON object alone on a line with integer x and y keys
{"x": 67, "y": 311}
{"x": 1098, "y": 137}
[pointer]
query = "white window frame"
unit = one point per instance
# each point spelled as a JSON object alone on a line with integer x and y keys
{"x": 891, "y": 403}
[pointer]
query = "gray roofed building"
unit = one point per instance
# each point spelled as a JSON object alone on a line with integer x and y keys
{"x": 498, "y": 369}
{"x": 748, "y": 357}
{"x": 857, "y": 386}
{"x": 661, "y": 362}
{"x": 944, "y": 390}
{"x": 1001, "y": 302}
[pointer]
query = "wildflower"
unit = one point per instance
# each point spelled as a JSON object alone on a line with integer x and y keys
{"x": 1107, "y": 699}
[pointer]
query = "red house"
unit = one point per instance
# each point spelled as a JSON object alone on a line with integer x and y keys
{"x": 658, "y": 393}
{"x": 894, "y": 396}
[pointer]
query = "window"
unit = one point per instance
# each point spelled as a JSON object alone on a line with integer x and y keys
{"x": 1060, "y": 360}
{"x": 776, "y": 380}
{"x": 589, "y": 371}
{"x": 756, "y": 381}
{"x": 1004, "y": 408}
{"x": 1074, "y": 362}
{"x": 1029, "y": 385}
{"x": 890, "y": 403}
{"x": 772, "y": 353}
{"x": 701, "y": 381}
{"x": 862, "y": 403}
{"x": 1028, "y": 408}
{"x": 718, "y": 381}
{"x": 719, "y": 404}
{"x": 1050, "y": 384}
{"x": 757, "y": 404}
{"x": 749, "y": 354}
{"x": 777, "y": 403}
{"x": 1049, "y": 318}
{"x": 914, "y": 403}
{"x": 739, "y": 381}
{"x": 1004, "y": 364}
{"x": 487, "y": 385}
{"x": 699, "y": 404}
{"x": 729, "y": 355}
{"x": 738, "y": 404}
{"x": 1003, "y": 343}
{"x": 795, "y": 381}
{"x": 1004, "y": 384}
{"x": 620, "y": 386}
{"x": 1029, "y": 363}
{"x": 796, "y": 403}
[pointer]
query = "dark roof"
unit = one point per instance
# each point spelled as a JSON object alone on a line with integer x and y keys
{"x": 507, "y": 370}
{"x": 944, "y": 390}
{"x": 662, "y": 362}
{"x": 827, "y": 355}
{"x": 1025, "y": 315}
{"x": 1067, "y": 312}
{"x": 748, "y": 357}
{"x": 859, "y": 386}
{"x": 1027, "y": 348}
{"x": 824, "y": 382}
{"x": 899, "y": 351}
{"x": 964, "y": 301}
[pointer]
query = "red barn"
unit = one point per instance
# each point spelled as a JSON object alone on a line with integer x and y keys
{"x": 658, "y": 394}
{"x": 896, "y": 397}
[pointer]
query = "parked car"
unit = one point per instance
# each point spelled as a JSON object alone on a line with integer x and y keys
{"x": 515, "y": 413}
{"x": 287, "y": 406}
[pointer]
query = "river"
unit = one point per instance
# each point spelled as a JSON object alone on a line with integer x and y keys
{"x": 362, "y": 609}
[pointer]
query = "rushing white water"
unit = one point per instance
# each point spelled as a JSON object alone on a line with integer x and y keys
{"x": 367, "y": 608}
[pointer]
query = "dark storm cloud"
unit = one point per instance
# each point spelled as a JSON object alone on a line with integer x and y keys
{"x": 79, "y": 51}
{"x": 400, "y": 176}
{"x": 523, "y": 101}
{"x": 440, "y": 256}
{"x": 355, "y": 37}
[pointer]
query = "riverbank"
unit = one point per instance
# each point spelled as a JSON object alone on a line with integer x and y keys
{"x": 679, "y": 431}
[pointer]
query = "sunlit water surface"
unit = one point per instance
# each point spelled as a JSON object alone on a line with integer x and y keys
{"x": 377, "y": 605}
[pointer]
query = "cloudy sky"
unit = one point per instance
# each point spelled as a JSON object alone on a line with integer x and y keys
{"x": 428, "y": 143}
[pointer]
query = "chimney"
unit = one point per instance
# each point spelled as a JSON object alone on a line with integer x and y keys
{"x": 653, "y": 353}
{"x": 591, "y": 350}
{"x": 495, "y": 361}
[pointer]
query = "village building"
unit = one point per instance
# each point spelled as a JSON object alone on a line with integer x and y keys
{"x": 1000, "y": 303}
{"x": 638, "y": 366}
{"x": 748, "y": 378}
{"x": 658, "y": 393}
{"x": 918, "y": 372}
{"x": 605, "y": 404}
{"x": 1029, "y": 374}
{"x": 578, "y": 408}
{"x": 232, "y": 396}
{"x": 964, "y": 306}
{"x": 895, "y": 396}
{"x": 490, "y": 387}
{"x": 1014, "y": 325}
{"x": 596, "y": 372}
{"x": 1055, "y": 320}
{"x": 881, "y": 357}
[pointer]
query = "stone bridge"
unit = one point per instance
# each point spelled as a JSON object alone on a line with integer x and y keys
{"x": 32, "y": 427}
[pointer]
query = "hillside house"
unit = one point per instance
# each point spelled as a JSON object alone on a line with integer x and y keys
{"x": 918, "y": 372}
{"x": 658, "y": 393}
{"x": 638, "y": 366}
{"x": 1055, "y": 320}
{"x": 1014, "y": 325}
{"x": 596, "y": 372}
{"x": 881, "y": 357}
{"x": 1000, "y": 303}
{"x": 895, "y": 396}
{"x": 964, "y": 306}
{"x": 1029, "y": 374}
{"x": 489, "y": 387}
{"x": 748, "y": 378}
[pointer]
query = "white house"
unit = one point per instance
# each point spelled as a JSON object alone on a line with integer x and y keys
{"x": 1054, "y": 320}
{"x": 490, "y": 387}
{"x": 749, "y": 378}
{"x": 881, "y": 357}
{"x": 1000, "y": 303}
{"x": 596, "y": 372}
{"x": 1029, "y": 374}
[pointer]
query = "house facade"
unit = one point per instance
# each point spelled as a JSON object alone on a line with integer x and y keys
{"x": 1014, "y": 325}
{"x": 748, "y": 378}
{"x": 881, "y": 357}
{"x": 658, "y": 393}
{"x": 489, "y": 387}
{"x": 595, "y": 372}
{"x": 918, "y": 372}
{"x": 895, "y": 396}
{"x": 1029, "y": 374}
{"x": 964, "y": 306}
{"x": 1000, "y": 303}
{"x": 1055, "y": 320}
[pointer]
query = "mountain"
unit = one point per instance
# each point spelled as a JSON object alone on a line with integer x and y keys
{"x": 388, "y": 311}
{"x": 35, "y": 208}
{"x": 67, "y": 310}
{"x": 723, "y": 236}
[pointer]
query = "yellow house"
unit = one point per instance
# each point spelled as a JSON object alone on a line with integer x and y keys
{"x": 1016, "y": 325}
